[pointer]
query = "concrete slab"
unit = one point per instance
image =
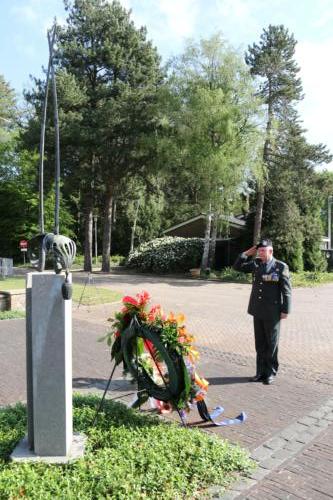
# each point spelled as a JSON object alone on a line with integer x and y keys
{"x": 22, "y": 452}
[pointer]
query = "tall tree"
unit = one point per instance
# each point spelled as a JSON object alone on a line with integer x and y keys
{"x": 118, "y": 71}
{"x": 8, "y": 111}
{"x": 19, "y": 182}
{"x": 295, "y": 195}
{"x": 215, "y": 143}
{"x": 279, "y": 86}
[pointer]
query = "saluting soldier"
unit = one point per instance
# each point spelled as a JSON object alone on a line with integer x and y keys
{"x": 270, "y": 302}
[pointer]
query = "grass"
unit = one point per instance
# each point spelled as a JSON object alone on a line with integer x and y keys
{"x": 92, "y": 295}
{"x": 12, "y": 283}
{"x": 128, "y": 455}
{"x": 310, "y": 278}
{"x": 14, "y": 314}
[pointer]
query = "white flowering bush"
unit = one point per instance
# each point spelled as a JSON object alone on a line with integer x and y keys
{"x": 168, "y": 254}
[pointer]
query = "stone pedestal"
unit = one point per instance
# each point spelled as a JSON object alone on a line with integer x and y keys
{"x": 49, "y": 366}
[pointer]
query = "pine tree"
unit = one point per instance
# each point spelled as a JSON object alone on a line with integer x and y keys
{"x": 117, "y": 71}
{"x": 272, "y": 60}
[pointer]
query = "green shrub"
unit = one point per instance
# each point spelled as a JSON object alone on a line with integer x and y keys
{"x": 229, "y": 274}
{"x": 118, "y": 260}
{"x": 310, "y": 278}
{"x": 14, "y": 314}
{"x": 168, "y": 254}
{"x": 128, "y": 455}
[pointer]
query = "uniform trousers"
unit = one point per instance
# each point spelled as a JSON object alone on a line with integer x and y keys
{"x": 266, "y": 336}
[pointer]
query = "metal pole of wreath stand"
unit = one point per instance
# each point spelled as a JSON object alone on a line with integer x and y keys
{"x": 101, "y": 404}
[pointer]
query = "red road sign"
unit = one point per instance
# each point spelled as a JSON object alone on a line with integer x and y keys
{"x": 23, "y": 244}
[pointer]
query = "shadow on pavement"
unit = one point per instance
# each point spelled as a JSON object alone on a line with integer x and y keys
{"x": 101, "y": 383}
{"x": 227, "y": 380}
{"x": 133, "y": 279}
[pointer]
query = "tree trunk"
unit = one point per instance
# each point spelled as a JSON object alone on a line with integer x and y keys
{"x": 205, "y": 255}
{"x": 134, "y": 226}
{"x": 261, "y": 187}
{"x": 258, "y": 217}
{"x": 212, "y": 246}
{"x": 88, "y": 238}
{"x": 107, "y": 227}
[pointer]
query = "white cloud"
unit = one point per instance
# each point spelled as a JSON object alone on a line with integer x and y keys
{"x": 25, "y": 12}
{"x": 325, "y": 13}
{"x": 169, "y": 22}
{"x": 324, "y": 20}
{"x": 317, "y": 78}
{"x": 180, "y": 17}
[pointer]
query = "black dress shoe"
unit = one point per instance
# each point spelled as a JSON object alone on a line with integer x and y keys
{"x": 269, "y": 380}
{"x": 256, "y": 378}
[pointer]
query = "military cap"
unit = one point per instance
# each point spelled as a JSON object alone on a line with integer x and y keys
{"x": 264, "y": 242}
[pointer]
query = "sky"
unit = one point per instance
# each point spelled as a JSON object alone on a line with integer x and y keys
{"x": 169, "y": 23}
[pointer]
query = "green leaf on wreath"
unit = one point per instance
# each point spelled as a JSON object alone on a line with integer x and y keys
{"x": 116, "y": 348}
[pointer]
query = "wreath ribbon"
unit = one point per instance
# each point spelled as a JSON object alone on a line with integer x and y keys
{"x": 212, "y": 416}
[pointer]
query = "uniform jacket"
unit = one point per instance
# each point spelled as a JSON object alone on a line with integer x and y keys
{"x": 271, "y": 288}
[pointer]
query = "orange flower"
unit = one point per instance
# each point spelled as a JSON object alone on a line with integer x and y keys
{"x": 193, "y": 355}
{"x": 171, "y": 318}
{"x": 201, "y": 382}
{"x": 199, "y": 397}
{"x": 180, "y": 319}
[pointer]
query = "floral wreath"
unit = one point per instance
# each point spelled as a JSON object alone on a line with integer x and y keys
{"x": 158, "y": 351}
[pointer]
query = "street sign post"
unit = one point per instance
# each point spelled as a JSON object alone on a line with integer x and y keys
{"x": 24, "y": 248}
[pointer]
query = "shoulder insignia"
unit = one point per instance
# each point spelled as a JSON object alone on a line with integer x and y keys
{"x": 285, "y": 271}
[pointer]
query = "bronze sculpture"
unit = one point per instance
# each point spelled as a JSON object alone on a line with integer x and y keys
{"x": 61, "y": 248}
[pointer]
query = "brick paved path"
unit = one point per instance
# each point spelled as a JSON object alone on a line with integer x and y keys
{"x": 217, "y": 315}
{"x": 308, "y": 475}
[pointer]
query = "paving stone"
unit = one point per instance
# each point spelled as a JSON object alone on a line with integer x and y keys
{"x": 261, "y": 453}
{"x": 309, "y": 420}
{"x": 289, "y": 433}
{"x": 271, "y": 463}
{"x": 283, "y": 454}
{"x": 230, "y": 495}
{"x": 317, "y": 414}
{"x": 245, "y": 484}
{"x": 304, "y": 437}
{"x": 259, "y": 473}
{"x": 275, "y": 443}
{"x": 294, "y": 446}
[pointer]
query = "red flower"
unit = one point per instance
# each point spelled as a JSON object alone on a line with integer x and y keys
{"x": 154, "y": 313}
{"x": 130, "y": 300}
{"x": 143, "y": 298}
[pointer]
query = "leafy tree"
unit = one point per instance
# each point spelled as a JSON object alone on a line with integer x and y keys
{"x": 8, "y": 112}
{"x": 215, "y": 143}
